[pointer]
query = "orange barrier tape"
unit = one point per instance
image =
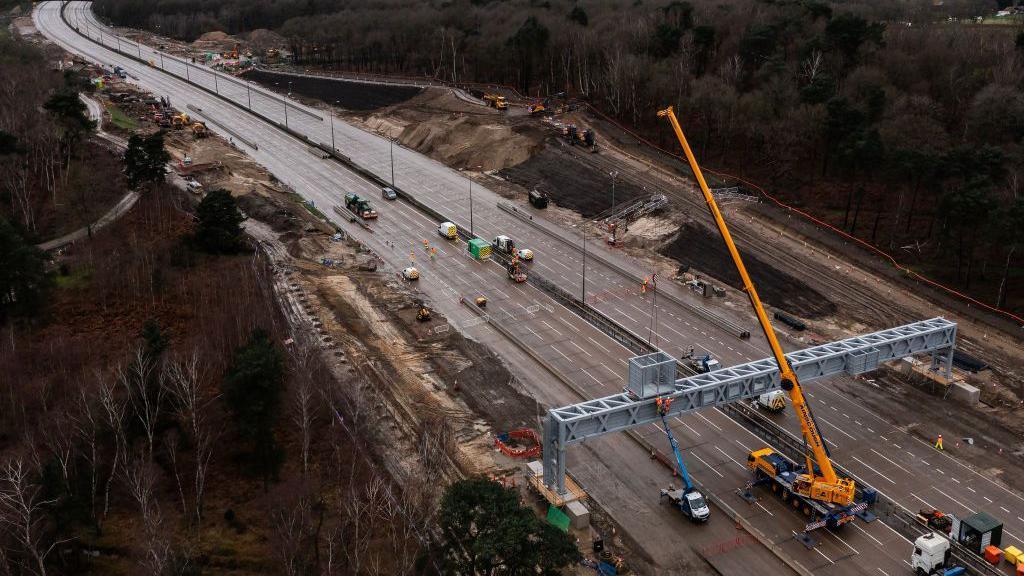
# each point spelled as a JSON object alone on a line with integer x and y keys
{"x": 824, "y": 224}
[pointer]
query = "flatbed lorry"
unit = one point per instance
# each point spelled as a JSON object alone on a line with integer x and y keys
{"x": 359, "y": 206}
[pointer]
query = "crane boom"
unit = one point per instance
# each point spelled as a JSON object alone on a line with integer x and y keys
{"x": 822, "y": 483}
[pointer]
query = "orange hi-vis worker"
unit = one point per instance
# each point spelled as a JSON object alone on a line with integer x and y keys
{"x": 643, "y": 287}
{"x": 938, "y": 443}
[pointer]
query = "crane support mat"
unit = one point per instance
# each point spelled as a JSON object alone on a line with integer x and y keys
{"x": 573, "y": 491}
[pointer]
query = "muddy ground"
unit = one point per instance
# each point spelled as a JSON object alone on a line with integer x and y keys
{"x": 702, "y": 250}
{"x": 349, "y": 95}
{"x": 572, "y": 179}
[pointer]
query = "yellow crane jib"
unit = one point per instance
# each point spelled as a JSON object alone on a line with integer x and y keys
{"x": 820, "y": 481}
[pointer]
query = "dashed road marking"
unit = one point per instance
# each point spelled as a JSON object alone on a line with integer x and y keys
{"x": 550, "y": 327}
{"x": 730, "y": 457}
{"x": 969, "y": 509}
{"x": 598, "y": 345}
{"x": 886, "y": 458}
{"x": 709, "y": 466}
{"x": 704, "y": 418}
{"x": 869, "y": 467}
{"x": 591, "y": 375}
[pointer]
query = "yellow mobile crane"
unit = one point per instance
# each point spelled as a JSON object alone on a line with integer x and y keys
{"x": 817, "y": 487}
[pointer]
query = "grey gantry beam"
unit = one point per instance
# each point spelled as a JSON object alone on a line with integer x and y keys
{"x": 653, "y": 375}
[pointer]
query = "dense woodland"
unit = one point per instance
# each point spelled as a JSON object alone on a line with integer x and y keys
{"x": 894, "y": 120}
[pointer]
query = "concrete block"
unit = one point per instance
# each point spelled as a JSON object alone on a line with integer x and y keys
{"x": 964, "y": 393}
{"x": 579, "y": 516}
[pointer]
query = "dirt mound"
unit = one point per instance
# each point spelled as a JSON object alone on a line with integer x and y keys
{"x": 215, "y": 36}
{"x": 261, "y": 39}
{"x": 464, "y": 142}
{"x": 695, "y": 246}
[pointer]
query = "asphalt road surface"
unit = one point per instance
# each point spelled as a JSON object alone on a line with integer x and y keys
{"x": 621, "y": 477}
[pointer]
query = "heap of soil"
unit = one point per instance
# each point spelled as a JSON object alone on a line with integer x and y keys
{"x": 458, "y": 133}
{"x": 695, "y": 246}
{"x": 565, "y": 173}
{"x": 215, "y": 36}
{"x": 349, "y": 95}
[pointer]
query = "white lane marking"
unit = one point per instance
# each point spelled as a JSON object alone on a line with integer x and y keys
{"x": 869, "y": 467}
{"x": 591, "y": 375}
{"x": 923, "y": 502}
{"x": 823, "y": 556}
{"x": 841, "y": 431}
{"x": 730, "y": 458}
{"x": 886, "y": 458}
{"x": 580, "y": 349}
{"x": 709, "y": 467}
{"x": 1004, "y": 509}
{"x": 845, "y": 543}
{"x": 550, "y": 327}
{"x": 704, "y": 418}
{"x": 598, "y": 345}
{"x": 955, "y": 480}
{"x": 688, "y": 427}
{"x": 898, "y": 447}
{"x": 534, "y": 332}
{"x": 627, "y": 316}
{"x": 563, "y": 354}
{"x": 972, "y": 489}
{"x": 744, "y": 446}
{"x": 987, "y": 498}
{"x": 969, "y": 509}
{"x": 765, "y": 509}
{"x": 866, "y": 533}
{"x": 569, "y": 324}
{"x": 882, "y": 571}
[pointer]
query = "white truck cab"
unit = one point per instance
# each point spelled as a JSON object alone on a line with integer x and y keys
{"x": 931, "y": 554}
{"x": 774, "y": 401}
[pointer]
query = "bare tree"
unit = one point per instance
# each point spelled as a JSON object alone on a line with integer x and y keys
{"x": 87, "y": 427}
{"x": 144, "y": 394}
{"x": 21, "y": 514}
{"x": 306, "y": 371}
{"x": 184, "y": 382}
{"x": 60, "y": 441}
{"x": 292, "y": 523}
{"x": 114, "y": 410}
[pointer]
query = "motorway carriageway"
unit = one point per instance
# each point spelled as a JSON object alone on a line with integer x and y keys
{"x": 576, "y": 350}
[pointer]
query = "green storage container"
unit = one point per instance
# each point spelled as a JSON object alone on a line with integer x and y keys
{"x": 479, "y": 248}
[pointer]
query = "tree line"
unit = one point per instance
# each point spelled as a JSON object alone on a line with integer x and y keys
{"x": 899, "y": 122}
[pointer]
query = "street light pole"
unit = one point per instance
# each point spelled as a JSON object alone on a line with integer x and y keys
{"x": 248, "y": 93}
{"x": 392, "y": 141}
{"x": 333, "y": 148}
{"x": 162, "y": 61}
{"x": 471, "y": 207}
{"x": 583, "y": 228}
{"x": 216, "y": 88}
{"x": 613, "y": 174}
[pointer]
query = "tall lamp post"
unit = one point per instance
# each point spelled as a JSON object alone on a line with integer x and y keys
{"x": 471, "y": 201}
{"x": 583, "y": 228}
{"x": 391, "y": 140}
{"x": 333, "y": 148}
{"x": 614, "y": 174}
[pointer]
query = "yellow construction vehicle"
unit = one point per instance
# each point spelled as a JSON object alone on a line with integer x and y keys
{"x": 817, "y": 488}
{"x": 199, "y": 129}
{"x": 180, "y": 120}
{"x": 496, "y": 101}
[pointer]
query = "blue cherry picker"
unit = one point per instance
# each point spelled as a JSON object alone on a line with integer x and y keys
{"x": 689, "y": 500}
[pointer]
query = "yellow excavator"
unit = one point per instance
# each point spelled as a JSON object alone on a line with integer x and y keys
{"x": 817, "y": 488}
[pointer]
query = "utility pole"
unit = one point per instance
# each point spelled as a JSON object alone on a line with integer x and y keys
{"x": 614, "y": 174}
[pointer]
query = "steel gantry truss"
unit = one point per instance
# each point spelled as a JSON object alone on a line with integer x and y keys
{"x": 653, "y": 375}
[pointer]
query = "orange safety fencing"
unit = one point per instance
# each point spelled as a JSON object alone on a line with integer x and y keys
{"x": 522, "y": 435}
{"x": 871, "y": 247}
